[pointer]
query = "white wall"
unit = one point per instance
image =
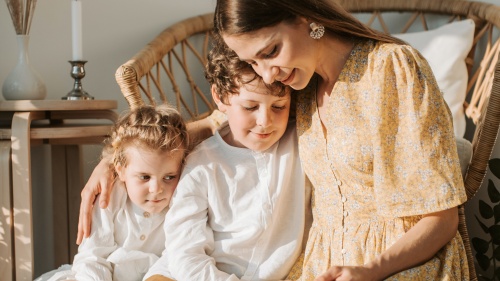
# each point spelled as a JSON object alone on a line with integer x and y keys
{"x": 113, "y": 31}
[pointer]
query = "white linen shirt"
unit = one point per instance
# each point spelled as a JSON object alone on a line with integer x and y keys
{"x": 236, "y": 214}
{"x": 124, "y": 243}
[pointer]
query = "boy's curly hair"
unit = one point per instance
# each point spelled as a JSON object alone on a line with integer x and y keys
{"x": 158, "y": 128}
{"x": 227, "y": 72}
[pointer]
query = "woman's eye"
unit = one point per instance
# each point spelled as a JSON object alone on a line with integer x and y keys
{"x": 144, "y": 177}
{"x": 279, "y": 107}
{"x": 272, "y": 53}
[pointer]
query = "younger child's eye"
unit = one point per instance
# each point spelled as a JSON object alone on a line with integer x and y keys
{"x": 144, "y": 177}
{"x": 279, "y": 107}
{"x": 169, "y": 178}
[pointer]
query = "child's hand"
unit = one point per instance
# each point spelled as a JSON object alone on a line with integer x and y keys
{"x": 159, "y": 278}
{"x": 101, "y": 181}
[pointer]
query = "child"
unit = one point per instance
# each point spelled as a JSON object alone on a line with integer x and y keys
{"x": 239, "y": 211}
{"x": 146, "y": 150}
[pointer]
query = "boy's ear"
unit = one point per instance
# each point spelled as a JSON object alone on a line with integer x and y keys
{"x": 220, "y": 105}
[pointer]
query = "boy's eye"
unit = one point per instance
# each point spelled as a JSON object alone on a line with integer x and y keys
{"x": 144, "y": 177}
{"x": 252, "y": 108}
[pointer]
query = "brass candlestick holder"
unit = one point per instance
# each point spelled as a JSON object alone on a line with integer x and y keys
{"x": 78, "y": 72}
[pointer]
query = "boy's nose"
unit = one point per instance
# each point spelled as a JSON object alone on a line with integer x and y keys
{"x": 264, "y": 118}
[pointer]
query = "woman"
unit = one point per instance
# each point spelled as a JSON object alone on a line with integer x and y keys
{"x": 375, "y": 139}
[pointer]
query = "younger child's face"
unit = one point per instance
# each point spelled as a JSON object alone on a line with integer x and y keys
{"x": 256, "y": 118}
{"x": 150, "y": 177}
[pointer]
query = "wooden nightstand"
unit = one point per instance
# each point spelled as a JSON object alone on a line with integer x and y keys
{"x": 65, "y": 125}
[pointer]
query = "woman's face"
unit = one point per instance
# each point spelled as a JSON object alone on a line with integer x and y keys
{"x": 284, "y": 53}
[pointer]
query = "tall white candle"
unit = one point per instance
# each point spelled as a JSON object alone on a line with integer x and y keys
{"x": 76, "y": 29}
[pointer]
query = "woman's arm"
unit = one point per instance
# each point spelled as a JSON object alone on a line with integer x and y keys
{"x": 415, "y": 247}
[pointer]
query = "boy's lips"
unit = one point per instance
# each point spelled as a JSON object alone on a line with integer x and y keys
{"x": 262, "y": 136}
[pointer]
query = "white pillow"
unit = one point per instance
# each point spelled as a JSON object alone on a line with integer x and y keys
{"x": 445, "y": 48}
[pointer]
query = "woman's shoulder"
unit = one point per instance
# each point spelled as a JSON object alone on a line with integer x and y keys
{"x": 402, "y": 52}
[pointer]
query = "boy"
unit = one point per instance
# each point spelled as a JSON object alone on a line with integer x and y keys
{"x": 239, "y": 210}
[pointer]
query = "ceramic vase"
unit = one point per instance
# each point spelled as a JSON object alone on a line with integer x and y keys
{"x": 23, "y": 82}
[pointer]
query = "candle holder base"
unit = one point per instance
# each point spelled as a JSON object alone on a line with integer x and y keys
{"x": 78, "y": 72}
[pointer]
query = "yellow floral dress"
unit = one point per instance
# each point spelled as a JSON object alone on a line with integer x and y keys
{"x": 387, "y": 156}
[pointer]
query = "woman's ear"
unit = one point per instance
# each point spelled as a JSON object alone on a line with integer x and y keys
{"x": 217, "y": 98}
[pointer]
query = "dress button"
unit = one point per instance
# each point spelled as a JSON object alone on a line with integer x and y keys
{"x": 146, "y": 214}
{"x": 346, "y": 214}
{"x": 344, "y": 251}
{"x": 345, "y": 230}
{"x": 344, "y": 199}
{"x": 339, "y": 182}
{"x": 142, "y": 237}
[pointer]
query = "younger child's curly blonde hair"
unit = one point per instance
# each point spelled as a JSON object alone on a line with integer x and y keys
{"x": 157, "y": 128}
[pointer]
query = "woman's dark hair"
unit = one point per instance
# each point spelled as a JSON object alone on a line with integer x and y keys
{"x": 236, "y": 17}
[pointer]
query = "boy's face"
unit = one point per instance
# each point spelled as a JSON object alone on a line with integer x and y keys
{"x": 150, "y": 177}
{"x": 257, "y": 119}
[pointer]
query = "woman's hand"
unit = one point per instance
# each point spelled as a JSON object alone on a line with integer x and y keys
{"x": 415, "y": 247}
{"x": 346, "y": 273}
{"x": 100, "y": 182}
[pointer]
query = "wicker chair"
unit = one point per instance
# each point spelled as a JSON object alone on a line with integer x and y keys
{"x": 171, "y": 68}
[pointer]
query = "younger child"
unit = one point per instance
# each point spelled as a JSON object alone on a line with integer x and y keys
{"x": 146, "y": 150}
{"x": 239, "y": 211}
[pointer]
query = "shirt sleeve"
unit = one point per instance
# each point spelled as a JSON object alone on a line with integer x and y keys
{"x": 189, "y": 238}
{"x": 414, "y": 145}
{"x": 91, "y": 261}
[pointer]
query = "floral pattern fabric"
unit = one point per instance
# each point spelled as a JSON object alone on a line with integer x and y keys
{"x": 383, "y": 155}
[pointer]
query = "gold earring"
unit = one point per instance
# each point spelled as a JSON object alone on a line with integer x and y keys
{"x": 317, "y": 30}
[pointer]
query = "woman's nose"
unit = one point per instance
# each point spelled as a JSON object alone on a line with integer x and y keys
{"x": 268, "y": 73}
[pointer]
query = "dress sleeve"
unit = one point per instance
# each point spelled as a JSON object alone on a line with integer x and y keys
{"x": 416, "y": 167}
{"x": 188, "y": 237}
{"x": 91, "y": 261}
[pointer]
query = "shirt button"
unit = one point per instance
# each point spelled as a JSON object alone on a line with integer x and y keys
{"x": 339, "y": 182}
{"x": 142, "y": 237}
{"x": 146, "y": 214}
{"x": 344, "y": 251}
{"x": 344, "y": 199}
{"x": 346, "y": 214}
{"x": 345, "y": 230}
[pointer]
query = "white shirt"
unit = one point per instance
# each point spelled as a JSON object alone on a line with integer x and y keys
{"x": 124, "y": 243}
{"x": 236, "y": 214}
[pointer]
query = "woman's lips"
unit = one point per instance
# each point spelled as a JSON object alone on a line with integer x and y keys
{"x": 289, "y": 79}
